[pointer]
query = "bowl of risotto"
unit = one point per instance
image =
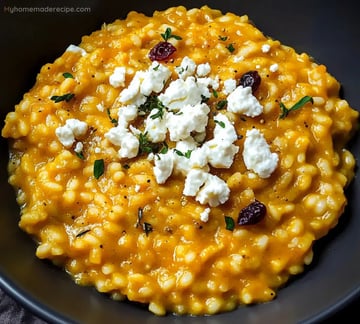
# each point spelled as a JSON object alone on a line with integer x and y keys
{"x": 180, "y": 161}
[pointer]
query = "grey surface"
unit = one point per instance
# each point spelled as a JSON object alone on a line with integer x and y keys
{"x": 329, "y": 30}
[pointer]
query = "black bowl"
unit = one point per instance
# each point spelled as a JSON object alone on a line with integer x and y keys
{"x": 328, "y": 30}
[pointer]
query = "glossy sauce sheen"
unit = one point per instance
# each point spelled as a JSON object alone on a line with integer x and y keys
{"x": 131, "y": 237}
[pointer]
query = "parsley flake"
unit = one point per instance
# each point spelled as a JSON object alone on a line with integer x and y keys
{"x": 66, "y": 97}
{"x": 220, "y": 123}
{"x": 221, "y": 104}
{"x": 187, "y": 154}
{"x": 230, "y": 48}
{"x": 113, "y": 120}
{"x": 229, "y": 223}
{"x": 68, "y": 75}
{"x": 99, "y": 167}
{"x": 80, "y": 155}
{"x": 167, "y": 35}
{"x": 285, "y": 111}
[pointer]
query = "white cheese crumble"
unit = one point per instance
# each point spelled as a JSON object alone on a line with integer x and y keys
{"x": 144, "y": 83}
{"x": 128, "y": 142}
{"x": 76, "y": 49}
{"x": 229, "y": 86}
{"x": 180, "y": 93}
{"x": 274, "y": 67}
{"x": 265, "y": 48}
{"x": 187, "y": 68}
{"x": 164, "y": 164}
{"x": 203, "y": 69}
{"x": 117, "y": 79}
{"x": 189, "y": 119}
{"x": 72, "y": 129}
{"x": 242, "y": 101}
{"x": 204, "y": 216}
{"x": 78, "y": 147}
{"x": 156, "y": 128}
{"x": 214, "y": 192}
{"x": 220, "y": 149}
{"x": 257, "y": 155}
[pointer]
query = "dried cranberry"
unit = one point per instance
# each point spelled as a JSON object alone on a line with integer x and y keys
{"x": 161, "y": 51}
{"x": 252, "y": 214}
{"x": 250, "y": 79}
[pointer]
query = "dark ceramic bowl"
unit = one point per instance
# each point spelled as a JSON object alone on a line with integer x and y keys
{"x": 328, "y": 30}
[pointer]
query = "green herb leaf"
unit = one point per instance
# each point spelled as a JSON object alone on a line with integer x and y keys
{"x": 164, "y": 149}
{"x": 231, "y": 48}
{"x": 221, "y": 104}
{"x": 66, "y": 97}
{"x": 151, "y": 103}
{"x": 285, "y": 111}
{"x": 113, "y": 120}
{"x": 80, "y": 155}
{"x": 99, "y": 167}
{"x": 215, "y": 94}
{"x": 146, "y": 146}
{"x": 167, "y": 35}
{"x": 186, "y": 154}
{"x": 158, "y": 114}
{"x": 220, "y": 123}
{"x": 229, "y": 223}
{"x": 223, "y": 38}
{"x": 68, "y": 75}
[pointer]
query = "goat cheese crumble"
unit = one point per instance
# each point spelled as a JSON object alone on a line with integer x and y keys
{"x": 257, "y": 155}
{"x": 181, "y": 115}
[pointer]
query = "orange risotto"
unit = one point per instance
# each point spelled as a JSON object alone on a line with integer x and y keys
{"x": 184, "y": 161}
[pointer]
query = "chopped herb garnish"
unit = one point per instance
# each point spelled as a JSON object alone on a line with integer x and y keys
{"x": 187, "y": 154}
{"x": 231, "y": 48}
{"x": 167, "y": 35}
{"x": 156, "y": 67}
{"x": 230, "y": 223}
{"x": 66, "y": 97}
{"x": 152, "y": 102}
{"x": 221, "y": 104}
{"x": 220, "y": 123}
{"x": 158, "y": 114}
{"x": 285, "y": 111}
{"x": 80, "y": 155}
{"x": 113, "y": 120}
{"x": 68, "y": 75}
{"x": 126, "y": 166}
{"x": 99, "y": 167}
{"x": 146, "y": 146}
{"x": 215, "y": 94}
{"x": 147, "y": 227}
{"x": 223, "y": 38}
{"x": 164, "y": 149}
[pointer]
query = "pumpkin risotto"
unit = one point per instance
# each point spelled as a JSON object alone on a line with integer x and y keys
{"x": 184, "y": 160}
